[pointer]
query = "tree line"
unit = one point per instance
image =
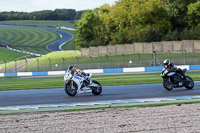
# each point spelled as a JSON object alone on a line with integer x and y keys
{"x": 57, "y": 14}
{"x": 129, "y": 21}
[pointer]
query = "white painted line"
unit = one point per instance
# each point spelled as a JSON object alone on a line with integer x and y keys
{"x": 1, "y": 74}
{"x": 56, "y": 72}
{"x": 93, "y": 71}
{"x": 135, "y": 69}
{"x": 60, "y": 47}
{"x": 24, "y": 74}
{"x": 183, "y": 67}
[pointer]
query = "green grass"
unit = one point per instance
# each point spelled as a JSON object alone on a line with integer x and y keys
{"x": 28, "y": 39}
{"x": 65, "y": 58}
{"x": 8, "y": 55}
{"x": 105, "y": 80}
{"x": 40, "y": 23}
{"x": 117, "y": 61}
{"x": 69, "y": 45}
{"x": 101, "y": 107}
{"x": 56, "y": 58}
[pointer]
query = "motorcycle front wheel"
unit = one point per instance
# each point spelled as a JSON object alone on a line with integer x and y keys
{"x": 70, "y": 89}
{"x": 189, "y": 83}
{"x": 96, "y": 90}
{"x": 167, "y": 83}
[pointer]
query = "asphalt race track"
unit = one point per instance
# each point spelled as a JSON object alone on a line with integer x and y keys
{"x": 54, "y": 46}
{"x": 122, "y": 92}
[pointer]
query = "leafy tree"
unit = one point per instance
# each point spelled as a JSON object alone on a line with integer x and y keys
{"x": 57, "y": 14}
{"x": 91, "y": 29}
{"x": 194, "y": 14}
{"x": 176, "y": 12}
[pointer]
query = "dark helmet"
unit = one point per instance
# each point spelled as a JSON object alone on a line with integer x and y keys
{"x": 166, "y": 62}
{"x": 71, "y": 68}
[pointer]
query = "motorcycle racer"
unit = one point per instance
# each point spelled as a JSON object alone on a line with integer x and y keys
{"x": 76, "y": 81}
{"x": 78, "y": 72}
{"x": 174, "y": 77}
{"x": 171, "y": 67}
{"x": 168, "y": 65}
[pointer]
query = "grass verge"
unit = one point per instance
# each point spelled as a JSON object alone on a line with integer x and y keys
{"x": 102, "y": 107}
{"x": 28, "y": 38}
{"x": 40, "y": 23}
{"x": 105, "y": 80}
{"x": 8, "y": 55}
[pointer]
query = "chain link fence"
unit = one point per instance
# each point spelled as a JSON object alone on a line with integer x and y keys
{"x": 120, "y": 61}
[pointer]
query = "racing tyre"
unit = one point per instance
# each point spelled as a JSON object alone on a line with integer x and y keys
{"x": 167, "y": 83}
{"x": 189, "y": 83}
{"x": 71, "y": 90}
{"x": 95, "y": 90}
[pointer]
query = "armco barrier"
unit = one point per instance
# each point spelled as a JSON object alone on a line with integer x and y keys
{"x": 99, "y": 71}
{"x": 194, "y": 67}
{"x": 153, "y": 69}
{"x": 114, "y": 70}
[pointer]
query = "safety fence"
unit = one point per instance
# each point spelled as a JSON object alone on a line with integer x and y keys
{"x": 99, "y": 71}
{"x": 120, "y": 61}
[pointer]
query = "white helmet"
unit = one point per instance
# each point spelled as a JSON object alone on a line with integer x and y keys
{"x": 166, "y": 62}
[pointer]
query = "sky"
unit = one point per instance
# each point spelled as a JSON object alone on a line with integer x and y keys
{"x": 38, "y": 5}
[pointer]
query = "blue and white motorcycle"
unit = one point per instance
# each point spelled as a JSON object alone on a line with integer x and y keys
{"x": 76, "y": 83}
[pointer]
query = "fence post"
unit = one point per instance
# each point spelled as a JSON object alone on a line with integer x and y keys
{"x": 169, "y": 54}
{"x": 91, "y": 61}
{"x": 123, "y": 60}
{"x": 107, "y": 61}
{"x": 184, "y": 57}
{"x": 139, "y": 61}
{"x": 26, "y": 64}
{"x": 5, "y": 66}
{"x": 49, "y": 64}
{"x": 196, "y": 61}
{"x": 15, "y": 65}
{"x": 63, "y": 60}
{"x": 38, "y": 65}
{"x": 77, "y": 63}
{"x": 154, "y": 58}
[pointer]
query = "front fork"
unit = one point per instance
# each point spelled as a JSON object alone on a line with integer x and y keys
{"x": 72, "y": 85}
{"x": 169, "y": 80}
{"x": 72, "y": 82}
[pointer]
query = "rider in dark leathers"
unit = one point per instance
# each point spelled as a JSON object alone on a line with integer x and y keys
{"x": 171, "y": 68}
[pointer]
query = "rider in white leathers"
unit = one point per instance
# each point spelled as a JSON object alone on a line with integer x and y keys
{"x": 78, "y": 72}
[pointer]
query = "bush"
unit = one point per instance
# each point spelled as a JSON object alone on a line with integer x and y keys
{"x": 148, "y": 34}
{"x": 96, "y": 42}
{"x": 171, "y": 36}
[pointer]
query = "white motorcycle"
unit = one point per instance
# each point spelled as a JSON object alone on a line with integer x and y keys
{"x": 76, "y": 83}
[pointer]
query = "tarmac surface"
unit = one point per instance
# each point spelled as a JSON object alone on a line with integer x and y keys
{"x": 122, "y": 92}
{"x": 57, "y": 45}
{"x": 54, "y": 46}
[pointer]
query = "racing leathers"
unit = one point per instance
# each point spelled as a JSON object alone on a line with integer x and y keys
{"x": 172, "y": 68}
{"x": 87, "y": 76}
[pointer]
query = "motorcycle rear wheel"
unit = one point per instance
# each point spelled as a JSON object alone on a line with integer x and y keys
{"x": 189, "y": 83}
{"x": 167, "y": 83}
{"x": 71, "y": 90}
{"x": 96, "y": 91}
